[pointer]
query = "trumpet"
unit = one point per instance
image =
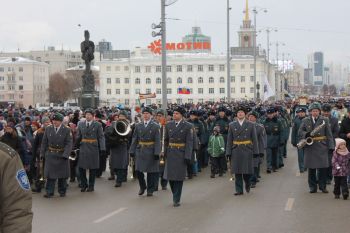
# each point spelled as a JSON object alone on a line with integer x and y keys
{"x": 309, "y": 140}
{"x": 41, "y": 168}
{"x": 132, "y": 167}
{"x": 74, "y": 154}
{"x": 162, "y": 159}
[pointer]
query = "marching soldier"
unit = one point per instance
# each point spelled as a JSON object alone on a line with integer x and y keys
{"x": 56, "y": 147}
{"x": 91, "y": 142}
{"x": 16, "y": 199}
{"x": 284, "y": 134}
{"x": 333, "y": 121}
{"x": 162, "y": 122}
{"x": 242, "y": 147}
{"x": 179, "y": 148}
{"x": 117, "y": 146}
{"x": 199, "y": 130}
{"x": 295, "y": 137}
{"x": 146, "y": 148}
{"x": 275, "y": 139}
{"x": 103, "y": 157}
{"x": 261, "y": 135}
{"x": 223, "y": 122}
{"x": 316, "y": 154}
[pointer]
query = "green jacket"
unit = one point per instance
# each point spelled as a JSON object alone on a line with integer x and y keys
{"x": 216, "y": 146}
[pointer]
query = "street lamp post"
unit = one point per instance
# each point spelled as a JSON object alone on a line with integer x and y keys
{"x": 228, "y": 54}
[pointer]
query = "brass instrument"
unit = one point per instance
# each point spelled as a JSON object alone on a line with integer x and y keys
{"x": 162, "y": 159}
{"x": 309, "y": 140}
{"x": 74, "y": 154}
{"x": 132, "y": 166}
{"x": 122, "y": 127}
{"x": 41, "y": 169}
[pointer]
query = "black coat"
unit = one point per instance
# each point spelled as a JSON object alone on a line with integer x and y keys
{"x": 344, "y": 130}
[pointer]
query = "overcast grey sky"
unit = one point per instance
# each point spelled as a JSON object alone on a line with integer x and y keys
{"x": 304, "y": 25}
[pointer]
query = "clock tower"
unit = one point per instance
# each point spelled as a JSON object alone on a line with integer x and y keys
{"x": 246, "y": 32}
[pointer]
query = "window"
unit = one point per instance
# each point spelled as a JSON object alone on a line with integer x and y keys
{"x": 211, "y": 90}
{"x": 242, "y": 66}
{"x": 159, "y": 91}
{"x": 20, "y": 69}
{"x": 12, "y": 96}
{"x": 117, "y": 91}
{"x": 200, "y": 90}
{"x": 211, "y": 80}
{"x": 189, "y": 68}
{"x": 117, "y": 80}
{"x": 1, "y": 69}
{"x": 148, "y": 91}
{"x": 222, "y": 67}
{"x": 222, "y": 90}
{"x": 108, "y": 91}
{"x": 211, "y": 68}
{"x": 168, "y": 91}
{"x": 242, "y": 89}
{"x": 179, "y": 68}
{"x": 137, "y": 91}
{"x": 117, "y": 68}
{"x": 190, "y": 101}
{"x": 126, "y": 80}
{"x": 2, "y": 88}
{"x": 148, "y": 69}
{"x": 168, "y": 80}
{"x": 20, "y": 78}
{"x": 233, "y": 66}
{"x": 108, "y": 80}
{"x": 148, "y": 81}
{"x": 179, "y": 80}
{"x": 137, "y": 69}
{"x": 126, "y": 91}
{"x": 252, "y": 90}
{"x": 252, "y": 78}
{"x": 126, "y": 102}
{"x": 158, "y": 69}
{"x": 11, "y": 87}
{"x": 191, "y": 91}
{"x": 126, "y": 68}
{"x": 222, "y": 80}
{"x": 20, "y": 87}
{"x": 200, "y": 80}
{"x": 242, "y": 79}
{"x": 189, "y": 80}
{"x": 168, "y": 68}
{"x": 201, "y": 100}
{"x": 200, "y": 68}
{"x": 158, "y": 80}
{"x": 251, "y": 66}
{"x": 233, "y": 90}
{"x": 233, "y": 79}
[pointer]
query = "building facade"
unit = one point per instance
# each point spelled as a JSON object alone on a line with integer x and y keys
{"x": 23, "y": 82}
{"x": 204, "y": 75}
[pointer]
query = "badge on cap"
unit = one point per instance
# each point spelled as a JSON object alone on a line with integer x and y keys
{"x": 22, "y": 179}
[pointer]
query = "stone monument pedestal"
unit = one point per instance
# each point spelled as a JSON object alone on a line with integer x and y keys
{"x": 89, "y": 100}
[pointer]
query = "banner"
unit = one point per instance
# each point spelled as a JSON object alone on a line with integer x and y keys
{"x": 147, "y": 96}
{"x": 183, "y": 91}
{"x": 268, "y": 91}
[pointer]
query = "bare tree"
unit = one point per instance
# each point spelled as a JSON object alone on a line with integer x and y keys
{"x": 332, "y": 90}
{"x": 325, "y": 89}
{"x": 59, "y": 90}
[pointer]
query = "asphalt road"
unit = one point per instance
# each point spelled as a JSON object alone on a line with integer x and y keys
{"x": 281, "y": 203}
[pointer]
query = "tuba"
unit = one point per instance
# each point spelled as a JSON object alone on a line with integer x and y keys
{"x": 309, "y": 141}
{"x": 122, "y": 127}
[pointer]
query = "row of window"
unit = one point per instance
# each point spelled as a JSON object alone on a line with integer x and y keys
{"x": 179, "y": 80}
{"x": 11, "y": 69}
{"x": 11, "y": 78}
{"x": 12, "y": 87}
{"x": 169, "y": 91}
{"x": 11, "y": 97}
{"x": 178, "y": 68}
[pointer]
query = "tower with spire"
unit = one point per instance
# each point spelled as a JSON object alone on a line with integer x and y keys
{"x": 246, "y": 32}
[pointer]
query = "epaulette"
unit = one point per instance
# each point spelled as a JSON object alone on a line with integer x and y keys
{"x": 7, "y": 150}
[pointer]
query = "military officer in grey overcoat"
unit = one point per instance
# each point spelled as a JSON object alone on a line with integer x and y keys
{"x": 179, "y": 148}
{"x": 333, "y": 121}
{"x": 146, "y": 147}
{"x": 91, "y": 142}
{"x": 242, "y": 146}
{"x": 261, "y": 135}
{"x": 316, "y": 155}
{"x": 117, "y": 147}
{"x": 56, "y": 147}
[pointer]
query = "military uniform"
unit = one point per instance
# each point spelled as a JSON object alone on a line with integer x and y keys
{"x": 275, "y": 137}
{"x": 56, "y": 147}
{"x": 178, "y": 151}
{"x": 316, "y": 155}
{"x": 200, "y": 132}
{"x": 15, "y": 196}
{"x": 91, "y": 142}
{"x": 117, "y": 147}
{"x": 282, "y": 147}
{"x": 146, "y": 146}
{"x": 295, "y": 140}
{"x": 261, "y": 136}
{"x": 242, "y": 146}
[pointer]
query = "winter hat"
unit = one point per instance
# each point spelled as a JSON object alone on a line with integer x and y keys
{"x": 338, "y": 142}
{"x": 217, "y": 129}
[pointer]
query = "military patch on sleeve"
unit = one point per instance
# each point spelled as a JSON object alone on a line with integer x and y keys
{"x": 22, "y": 179}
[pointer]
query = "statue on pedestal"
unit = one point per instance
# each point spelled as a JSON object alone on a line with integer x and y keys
{"x": 88, "y": 48}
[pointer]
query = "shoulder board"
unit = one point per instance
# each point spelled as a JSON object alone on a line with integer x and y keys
{"x": 7, "y": 150}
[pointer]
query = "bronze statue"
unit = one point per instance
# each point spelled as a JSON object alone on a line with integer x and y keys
{"x": 87, "y": 48}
